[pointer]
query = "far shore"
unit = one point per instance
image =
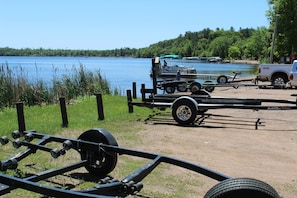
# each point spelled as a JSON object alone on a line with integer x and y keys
{"x": 252, "y": 62}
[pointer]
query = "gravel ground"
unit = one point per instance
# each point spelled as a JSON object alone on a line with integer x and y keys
{"x": 227, "y": 141}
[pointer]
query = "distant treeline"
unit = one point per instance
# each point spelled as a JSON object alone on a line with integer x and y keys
{"x": 246, "y": 43}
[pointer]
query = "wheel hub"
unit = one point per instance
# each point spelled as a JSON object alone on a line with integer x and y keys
{"x": 184, "y": 113}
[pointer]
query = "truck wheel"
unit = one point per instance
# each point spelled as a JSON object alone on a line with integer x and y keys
{"x": 222, "y": 79}
{"x": 279, "y": 80}
{"x": 195, "y": 87}
{"x": 100, "y": 162}
{"x": 170, "y": 90}
{"x": 184, "y": 110}
{"x": 242, "y": 187}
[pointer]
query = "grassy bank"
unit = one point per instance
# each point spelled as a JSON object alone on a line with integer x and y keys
{"x": 82, "y": 115}
{"x": 16, "y": 85}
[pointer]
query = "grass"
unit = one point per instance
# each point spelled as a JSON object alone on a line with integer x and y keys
{"x": 82, "y": 115}
{"x": 15, "y": 86}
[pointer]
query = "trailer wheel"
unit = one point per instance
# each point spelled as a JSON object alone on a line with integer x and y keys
{"x": 100, "y": 162}
{"x": 195, "y": 87}
{"x": 184, "y": 110}
{"x": 222, "y": 79}
{"x": 209, "y": 88}
{"x": 170, "y": 90}
{"x": 242, "y": 187}
{"x": 182, "y": 88}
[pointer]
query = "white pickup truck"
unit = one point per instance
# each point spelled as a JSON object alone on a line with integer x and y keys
{"x": 277, "y": 74}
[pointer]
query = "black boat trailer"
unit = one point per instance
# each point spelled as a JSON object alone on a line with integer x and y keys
{"x": 186, "y": 108}
{"x": 186, "y": 83}
{"x": 171, "y": 85}
{"x": 99, "y": 152}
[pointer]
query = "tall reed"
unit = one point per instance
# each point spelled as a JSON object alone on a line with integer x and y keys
{"x": 15, "y": 86}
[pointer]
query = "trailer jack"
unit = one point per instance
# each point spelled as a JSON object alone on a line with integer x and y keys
{"x": 99, "y": 152}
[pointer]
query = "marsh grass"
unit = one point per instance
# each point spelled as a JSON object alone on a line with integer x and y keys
{"x": 15, "y": 86}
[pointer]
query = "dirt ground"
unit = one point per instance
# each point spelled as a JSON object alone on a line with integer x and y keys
{"x": 228, "y": 142}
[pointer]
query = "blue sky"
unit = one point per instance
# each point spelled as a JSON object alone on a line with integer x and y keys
{"x": 110, "y": 24}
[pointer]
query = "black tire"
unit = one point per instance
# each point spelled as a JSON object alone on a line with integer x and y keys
{"x": 170, "y": 89}
{"x": 184, "y": 111}
{"x": 209, "y": 88}
{"x": 101, "y": 162}
{"x": 242, "y": 187}
{"x": 222, "y": 79}
{"x": 203, "y": 93}
{"x": 279, "y": 80}
{"x": 195, "y": 87}
{"x": 182, "y": 88}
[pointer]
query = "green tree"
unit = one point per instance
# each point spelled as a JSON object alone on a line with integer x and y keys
{"x": 256, "y": 46}
{"x": 234, "y": 52}
{"x": 283, "y": 16}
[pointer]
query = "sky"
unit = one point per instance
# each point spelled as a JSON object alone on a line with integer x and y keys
{"x": 111, "y": 24}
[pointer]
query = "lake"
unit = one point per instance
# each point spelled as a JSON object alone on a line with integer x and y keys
{"x": 119, "y": 72}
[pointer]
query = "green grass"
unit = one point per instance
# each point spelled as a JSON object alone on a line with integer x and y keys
{"x": 82, "y": 116}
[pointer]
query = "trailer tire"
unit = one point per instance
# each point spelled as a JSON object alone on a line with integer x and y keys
{"x": 182, "y": 88}
{"x": 195, "y": 87}
{"x": 100, "y": 163}
{"x": 184, "y": 110}
{"x": 222, "y": 79}
{"x": 242, "y": 187}
{"x": 209, "y": 88}
{"x": 170, "y": 89}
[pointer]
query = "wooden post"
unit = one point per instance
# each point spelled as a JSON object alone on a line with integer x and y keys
{"x": 129, "y": 98}
{"x": 155, "y": 63}
{"x": 63, "y": 112}
{"x": 134, "y": 89}
{"x": 142, "y": 92}
{"x": 21, "y": 117}
{"x": 100, "y": 107}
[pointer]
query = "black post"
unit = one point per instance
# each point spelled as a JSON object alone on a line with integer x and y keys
{"x": 21, "y": 117}
{"x": 155, "y": 63}
{"x": 129, "y": 98}
{"x": 100, "y": 107}
{"x": 142, "y": 92}
{"x": 134, "y": 89}
{"x": 63, "y": 112}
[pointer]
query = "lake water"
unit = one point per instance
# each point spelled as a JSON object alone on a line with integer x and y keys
{"x": 119, "y": 72}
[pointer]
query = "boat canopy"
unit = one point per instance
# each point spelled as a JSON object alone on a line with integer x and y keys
{"x": 173, "y": 56}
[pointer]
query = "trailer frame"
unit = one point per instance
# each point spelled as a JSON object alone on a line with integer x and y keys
{"x": 183, "y": 84}
{"x": 186, "y": 107}
{"x": 99, "y": 153}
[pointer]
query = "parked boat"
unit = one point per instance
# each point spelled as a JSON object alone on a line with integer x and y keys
{"x": 172, "y": 71}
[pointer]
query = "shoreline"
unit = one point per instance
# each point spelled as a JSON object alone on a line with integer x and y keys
{"x": 252, "y": 62}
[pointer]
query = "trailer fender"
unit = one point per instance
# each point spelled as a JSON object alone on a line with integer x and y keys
{"x": 184, "y": 110}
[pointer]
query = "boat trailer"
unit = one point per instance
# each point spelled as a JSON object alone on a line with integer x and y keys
{"x": 99, "y": 152}
{"x": 186, "y": 108}
{"x": 195, "y": 82}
